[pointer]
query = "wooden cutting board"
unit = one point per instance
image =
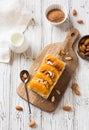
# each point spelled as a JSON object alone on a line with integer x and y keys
{"x": 53, "y": 49}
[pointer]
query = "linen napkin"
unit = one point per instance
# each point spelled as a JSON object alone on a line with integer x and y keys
{"x": 14, "y": 16}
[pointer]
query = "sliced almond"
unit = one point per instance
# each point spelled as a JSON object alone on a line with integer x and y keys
{"x": 58, "y": 92}
{"x": 67, "y": 108}
{"x": 19, "y": 108}
{"x": 52, "y": 99}
{"x": 68, "y": 58}
{"x": 32, "y": 124}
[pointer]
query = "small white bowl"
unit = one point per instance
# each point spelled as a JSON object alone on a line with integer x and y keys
{"x": 18, "y": 43}
{"x": 56, "y": 6}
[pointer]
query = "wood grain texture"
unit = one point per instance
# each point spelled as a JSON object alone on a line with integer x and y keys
{"x": 67, "y": 45}
{"x": 40, "y": 35}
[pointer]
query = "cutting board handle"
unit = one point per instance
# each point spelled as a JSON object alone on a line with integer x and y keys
{"x": 71, "y": 37}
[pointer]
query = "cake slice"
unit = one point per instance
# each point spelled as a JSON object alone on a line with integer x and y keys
{"x": 47, "y": 76}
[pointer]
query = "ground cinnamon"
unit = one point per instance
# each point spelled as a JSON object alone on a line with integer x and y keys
{"x": 55, "y": 15}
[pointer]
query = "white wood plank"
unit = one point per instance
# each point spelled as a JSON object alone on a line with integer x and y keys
{"x": 38, "y": 36}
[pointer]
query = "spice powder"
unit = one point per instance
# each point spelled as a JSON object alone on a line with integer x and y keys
{"x": 55, "y": 15}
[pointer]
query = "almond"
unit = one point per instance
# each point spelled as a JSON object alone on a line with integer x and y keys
{"x": 87, "y": 50}
{"x": 80, "y": 21}
{"x": 77, "y": 92}
{"x": 74, "y": 86}
{"x": 87, "y": 54}
{"x": 86, "y": 42}
{"x": 82, "y": 48}
{"x": 82, "y": 41}
{"x": 74, "y": 12}
{"x": 88, "y": 47}
{"x": 82, "y": 54}
{"x": 62, "y": 52}
{"x": 32, "y": 124}
{"x": 67, "y": 108}
{"x": 19, "y": 108}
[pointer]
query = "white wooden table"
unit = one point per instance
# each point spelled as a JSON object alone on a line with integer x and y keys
{"x": 40, "y": 35}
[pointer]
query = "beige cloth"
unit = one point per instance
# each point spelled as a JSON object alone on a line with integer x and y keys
{"x": 13, "y": 17}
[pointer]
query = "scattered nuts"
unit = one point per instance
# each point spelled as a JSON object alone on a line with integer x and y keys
{"x": 32, "y": 124}
{"x": 77, "y": 92}
{"x": 82, "y": 54}
{"x": 88, "y": 47}
{"x": 86, "y": 42}
{"x": 87, "y": 50}
{"x": 82, "y": 41}
{"x": 74, "y": 86}
{"x": 19, "y": 108}
{"x": 84, "y": 47}
{"x": 58, "y": 92}
{"x": 68, "y": 58}
{"x": 80, "y": 21}
{"x": 67, "y": 108}
{"x": 74, "y": 12}
{"x": 52, "y": 99}
{"x": 62, "y": 52}
{"x": 87, "y": 54}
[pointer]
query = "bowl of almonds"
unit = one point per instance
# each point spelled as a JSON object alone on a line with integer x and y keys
{"x": 83, "y": 47}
